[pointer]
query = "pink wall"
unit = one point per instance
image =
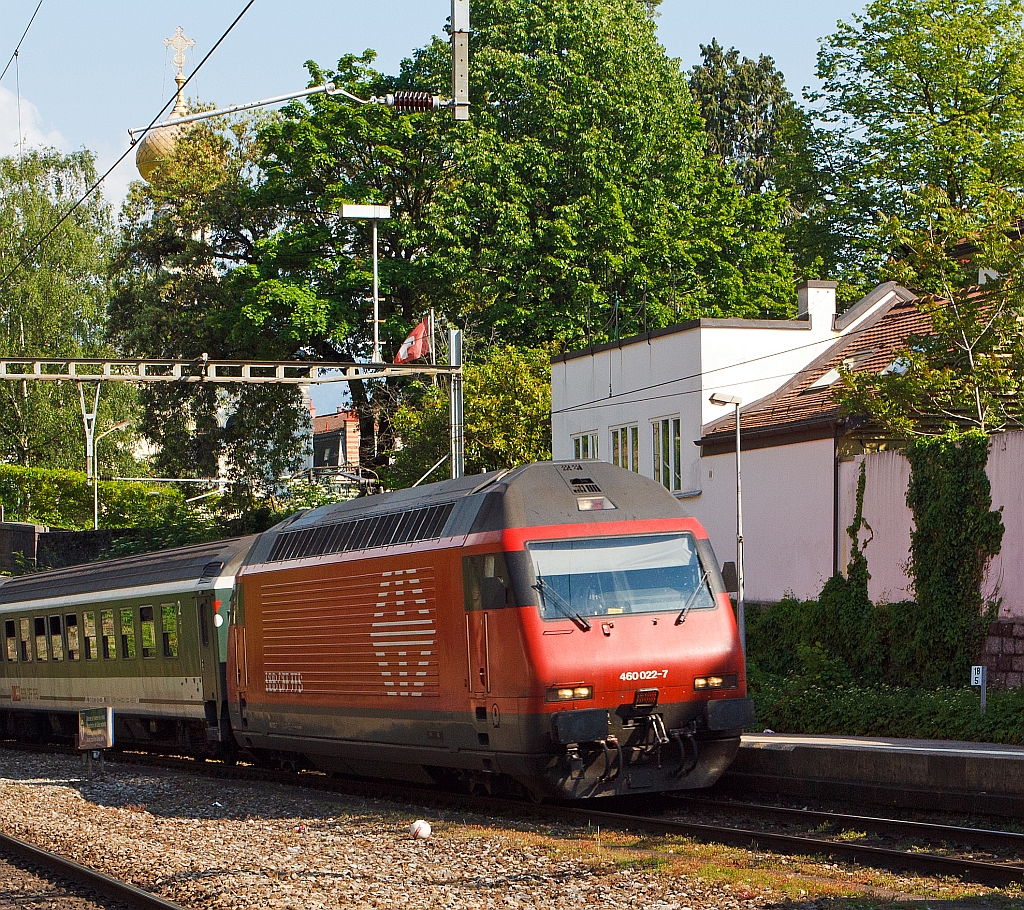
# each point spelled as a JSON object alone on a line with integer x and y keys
{"x": 885, "y": 510}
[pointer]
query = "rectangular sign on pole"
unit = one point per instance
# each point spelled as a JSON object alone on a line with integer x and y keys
{"x": 979, "y": 677}
{"x": 96, "y": 728}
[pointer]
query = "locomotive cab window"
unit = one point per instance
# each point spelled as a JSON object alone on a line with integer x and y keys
{"x": 56, "y": 637}
{"x": 109, "y": 638}
{"x": 614, "y": 575}
{"x": 39, "y": 624}
{"x": 90, "y": 639}
{"x": 11, "y": 639}
{"x": 486, "y": 583}
{"x": 71, "y": 629}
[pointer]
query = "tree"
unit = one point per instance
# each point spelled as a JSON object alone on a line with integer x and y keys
{"x": 966, "y": 368}
{"x": 507, "y": 417}
{"x": 922, "y": 95}
{"x": 181, "y": 291}
{"x": 746, "y": 109}
{"x": 53, "y": 305}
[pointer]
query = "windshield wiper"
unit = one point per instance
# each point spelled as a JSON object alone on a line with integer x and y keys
{"x": 560, "y": 602}
{"x": 681, "y": 618}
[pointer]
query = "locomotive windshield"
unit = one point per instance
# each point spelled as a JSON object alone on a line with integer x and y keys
{"x": 609, "y": 576}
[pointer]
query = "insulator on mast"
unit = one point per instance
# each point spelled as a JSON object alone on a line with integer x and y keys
{"x": 413, "y": 102}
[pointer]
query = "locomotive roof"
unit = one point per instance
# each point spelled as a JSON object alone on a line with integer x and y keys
{"x": 545, "y": 493}
{"x": 191, "y": 568}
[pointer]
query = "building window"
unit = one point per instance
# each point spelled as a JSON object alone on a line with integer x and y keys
{"x": 626, "y": 447}
{"x": 667, "y": 452}
{"x": 584, "y": 446}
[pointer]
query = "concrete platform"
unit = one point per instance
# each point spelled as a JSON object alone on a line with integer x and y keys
{"x": 927, "y": 774}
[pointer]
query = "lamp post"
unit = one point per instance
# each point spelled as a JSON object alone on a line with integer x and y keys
{"x": 96, "y": 472}
{"x": 722, "y": 400}
{"x": 373, "y": 214}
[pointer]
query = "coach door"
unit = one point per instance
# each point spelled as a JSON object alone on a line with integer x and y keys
{"x": 241, "y": 667}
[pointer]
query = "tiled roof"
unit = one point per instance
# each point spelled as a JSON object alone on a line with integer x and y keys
{"x": 807, "y": 402}
{"x": 331, "y": 423}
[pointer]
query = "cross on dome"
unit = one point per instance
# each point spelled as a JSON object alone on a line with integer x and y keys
{"x": 180, "y": 42}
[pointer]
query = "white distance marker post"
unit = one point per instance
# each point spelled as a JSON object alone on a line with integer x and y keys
{"x": 979, "y": 678}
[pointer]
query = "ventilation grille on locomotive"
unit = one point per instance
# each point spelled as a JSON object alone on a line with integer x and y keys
{"x": 363, "y": 533}
{"x": 584, "y": 485}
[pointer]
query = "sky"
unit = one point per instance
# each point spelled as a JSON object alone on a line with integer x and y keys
{"x": 88, "y": 71}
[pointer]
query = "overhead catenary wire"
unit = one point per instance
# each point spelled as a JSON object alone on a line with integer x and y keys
{"x": 21, "y": 39}
{"x": 53, "y": 228}
{"x": 604, "y": 402}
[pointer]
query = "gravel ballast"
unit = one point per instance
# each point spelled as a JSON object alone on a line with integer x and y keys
{"x": 211, "y": 843}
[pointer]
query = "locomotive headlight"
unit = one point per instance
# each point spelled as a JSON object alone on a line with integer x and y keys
{"x": 567, "y": 693}
{"x": 715, "y": 682}
{"x": 701, "y": 682}
{"x": 728, "y": 681}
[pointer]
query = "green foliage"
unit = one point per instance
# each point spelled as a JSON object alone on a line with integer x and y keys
{"x": 64, "y": 499}
{"x": 183, "y": 289}
{"x": 956, "y": 534}
{"x": 822, "y": 703}
{"x": 53, "y": 305}
{"x": 507, "y": 417}
{"x": 967, "y": 369}
{"x": 919, "y": 95}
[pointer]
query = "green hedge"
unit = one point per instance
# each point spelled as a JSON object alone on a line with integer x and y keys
{"x": 64, "y": 499}
{"x": 819, "y": 705}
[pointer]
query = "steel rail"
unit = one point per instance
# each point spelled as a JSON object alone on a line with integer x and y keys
{"x": 975, "y": 837}
{"x": 975, "y": 870}
{"x": 997, "y": 874}
{"x": 84, "y": 876}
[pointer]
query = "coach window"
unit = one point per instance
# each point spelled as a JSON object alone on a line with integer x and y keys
{"x": 25, "y": 628}
{"x": 148, "y": 625}
{"x": 169, "y": 621}
{"x": 39, "y": 626}
{"x": 71, "y": 627}
{"x": 107, "y": 631}
{"x": 89, "y": 629}
{"x": 128, "y": 633}
{"x": 56, "y": 638}
{"x": 10, "y": 635}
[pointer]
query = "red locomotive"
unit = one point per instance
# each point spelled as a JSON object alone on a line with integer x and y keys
{"x": 560, "y": 629}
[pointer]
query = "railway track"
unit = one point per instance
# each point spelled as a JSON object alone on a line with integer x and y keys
{"x": 653, "y": 820}
{"x": 89, "y": 880}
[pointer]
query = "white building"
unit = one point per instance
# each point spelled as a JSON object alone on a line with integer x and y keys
{"x": 641, "y": 402}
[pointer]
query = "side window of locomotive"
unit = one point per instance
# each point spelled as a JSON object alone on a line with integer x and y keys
{"x": 107, "y": 631}
{"x": 11, "y": 637}
{"x": 486, "y": 583}
{"x": 128, "y": 633}
{"x": 39, "y": 624}
{"x": 26, "y": 637}
{"x": 148, "y": 624}
{"x": 56, "y": 637}
{"x": 89, "y": 624}
{"x": 71, "y": 628}
{"x": 169, "y": 624}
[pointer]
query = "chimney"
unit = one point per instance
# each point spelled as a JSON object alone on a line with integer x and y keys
{"x": 817, "y": 299}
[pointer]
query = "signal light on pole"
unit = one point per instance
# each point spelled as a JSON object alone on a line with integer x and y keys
{"x": 413, "y": 102}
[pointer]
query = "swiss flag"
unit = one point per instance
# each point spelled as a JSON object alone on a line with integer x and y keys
{"x": 417, "y": 345}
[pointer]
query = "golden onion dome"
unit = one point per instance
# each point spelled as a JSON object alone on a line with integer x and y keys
{"x": 158, "y": 144}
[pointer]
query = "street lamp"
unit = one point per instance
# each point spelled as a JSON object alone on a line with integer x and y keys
{"x": 736, "y": 401}
{"x": 373, "y": 214}
{"x": 96, "y": 472}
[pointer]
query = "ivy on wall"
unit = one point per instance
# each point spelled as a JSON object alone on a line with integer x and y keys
{"x": 956, "y": 535}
